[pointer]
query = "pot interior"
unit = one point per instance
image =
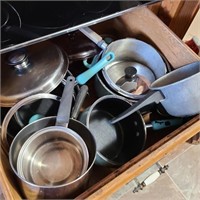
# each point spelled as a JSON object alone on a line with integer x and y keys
{"x": 118, "y": 143}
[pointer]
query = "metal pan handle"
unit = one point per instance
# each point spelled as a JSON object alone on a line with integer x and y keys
{"x": 64, "y": 109}
{"x": 151, "y": 97}
{"x": 97, "y": 39}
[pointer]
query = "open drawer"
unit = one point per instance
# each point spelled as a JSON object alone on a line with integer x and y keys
{"x": 142, "y": 24}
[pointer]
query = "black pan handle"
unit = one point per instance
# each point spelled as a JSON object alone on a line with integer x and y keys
{"x": 79, "y": 101}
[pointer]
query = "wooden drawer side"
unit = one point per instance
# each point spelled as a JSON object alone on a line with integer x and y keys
{"x": 144, "y": 25}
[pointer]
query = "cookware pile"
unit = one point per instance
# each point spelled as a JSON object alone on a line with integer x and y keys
{"x": 54, "y": 137}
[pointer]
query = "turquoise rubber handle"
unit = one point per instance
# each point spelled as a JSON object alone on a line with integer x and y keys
{"x": 160, "y": 124}
{"x": 85, "y": 76}
{"x": 35, "y": 117}
{"x": 94, "y": 61}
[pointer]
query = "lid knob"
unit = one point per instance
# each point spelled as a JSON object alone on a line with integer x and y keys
{"x": 18, "y": 59}
{"x": 130, "y": 72}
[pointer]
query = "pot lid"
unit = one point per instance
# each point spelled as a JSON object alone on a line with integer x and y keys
{"x": 129, "y": 79}
{"x": 38, "y": 68}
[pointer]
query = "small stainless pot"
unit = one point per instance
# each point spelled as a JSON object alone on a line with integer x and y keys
{"x": 127, "y": 51}
{"x": 62, "y": 191}
{"x": 30, "y": 190}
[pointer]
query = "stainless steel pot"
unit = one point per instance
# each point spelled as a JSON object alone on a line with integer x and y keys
{"x": 177, "y": 91}
{"x": 62, "y": 191}
{"x": 55, "y": 147}
{"x": 129, "y": 51}
{"x": 33, "y": 191}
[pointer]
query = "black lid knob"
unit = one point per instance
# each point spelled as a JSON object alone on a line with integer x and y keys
{"x": 130, "y": 72}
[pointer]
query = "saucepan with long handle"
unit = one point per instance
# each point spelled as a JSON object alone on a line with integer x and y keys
{"x": 58, "y": 147}
{"x": 69, "y": 189}
{"x": 177, "y": 91}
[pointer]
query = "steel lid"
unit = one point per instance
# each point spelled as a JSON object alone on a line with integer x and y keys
{"x": 128, "y": 78}
{"x": 37, "y": 68}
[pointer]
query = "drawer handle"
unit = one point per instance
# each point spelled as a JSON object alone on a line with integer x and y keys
{"x": 151, "y": 178}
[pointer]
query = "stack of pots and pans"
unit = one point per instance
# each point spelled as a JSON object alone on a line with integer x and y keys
{"x": 61, "y": 162}
{"x": 28, "y": 72}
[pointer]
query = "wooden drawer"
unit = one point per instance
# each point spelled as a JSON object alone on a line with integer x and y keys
{"x": 142, "y": 24}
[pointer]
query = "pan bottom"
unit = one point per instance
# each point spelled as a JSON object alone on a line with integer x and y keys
{"x": 109, "y": 138}
{"x": 53, "y": 163}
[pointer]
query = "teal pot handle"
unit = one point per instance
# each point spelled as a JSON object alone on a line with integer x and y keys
{"x": 85, "y": 76}
{"x": 94, "y": 61}
{"x": 35, "y": 117}
{"x": 161, "y": 124}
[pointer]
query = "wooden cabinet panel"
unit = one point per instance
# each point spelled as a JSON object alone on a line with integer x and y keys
{"x": 177, "y": 14}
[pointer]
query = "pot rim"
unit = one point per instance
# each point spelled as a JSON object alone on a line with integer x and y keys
{"x": 90, "y": 165}
{"x": 195, "y": 66}
{"x": 108, "y": 161}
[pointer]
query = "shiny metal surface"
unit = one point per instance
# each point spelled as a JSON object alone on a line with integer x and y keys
{"x": 56, "y": 143}
{"x": 177, "y": 91}
{"x": 33, "y": 191}
{"x": 181, "y": 90}
{"x": 47, "y": 66}
{"x": 57, "y": 157}
{"x": 67, "y": 190}
{"x": 55, "y": 147}
{"x": 130, "y": 49}
{"x": 114, "y": 74}
{"x": 16, "y": 107}
{"x": 102, "y": 88}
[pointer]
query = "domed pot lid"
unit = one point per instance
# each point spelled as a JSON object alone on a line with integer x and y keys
{"x": 128, "y": 78}
{"x": 37, "y": 68}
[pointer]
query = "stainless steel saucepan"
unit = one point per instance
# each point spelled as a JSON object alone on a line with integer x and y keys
{"x": 67, "y": 190}
{"x": 55, "y": 148}
{"x": 136, "y": 65}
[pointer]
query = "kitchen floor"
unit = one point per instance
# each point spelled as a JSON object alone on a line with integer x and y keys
{"x": 180, "y": 182}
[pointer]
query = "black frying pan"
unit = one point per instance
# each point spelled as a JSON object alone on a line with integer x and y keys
{"x": 118, "y": 143}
